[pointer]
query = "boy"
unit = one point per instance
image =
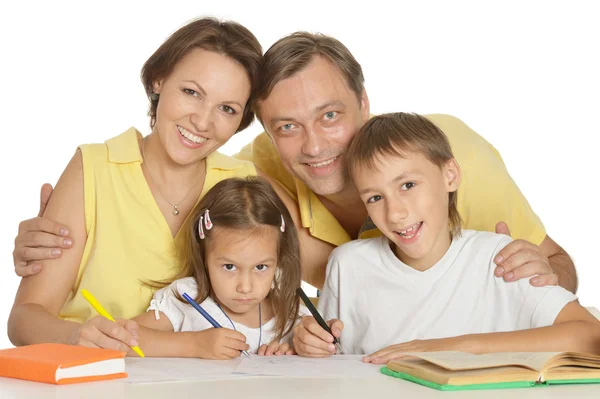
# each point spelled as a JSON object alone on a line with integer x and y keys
{"x": 426, "y": 285}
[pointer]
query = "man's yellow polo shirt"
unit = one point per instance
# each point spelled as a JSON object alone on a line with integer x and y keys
{"x": 486, "y": 196}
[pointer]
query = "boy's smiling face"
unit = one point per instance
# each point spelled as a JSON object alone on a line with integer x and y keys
{"x": 407, "y": 199}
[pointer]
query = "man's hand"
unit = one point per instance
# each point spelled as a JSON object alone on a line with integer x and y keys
{"x": 521, "y": 259}
{"x": 39, "y": 239}
{"x": 311, "y": 340}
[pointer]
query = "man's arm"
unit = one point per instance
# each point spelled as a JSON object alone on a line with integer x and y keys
{"x": 561, "y": 263}
{"x": 488, "y": 195}
{"x": 548, "y": 262}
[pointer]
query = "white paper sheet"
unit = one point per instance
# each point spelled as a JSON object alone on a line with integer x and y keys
{"x": 178, "y": 369}
{"x": 151, "y": 370}
{"x": 339, "y": 366}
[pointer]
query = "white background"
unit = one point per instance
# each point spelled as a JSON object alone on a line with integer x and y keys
{"x": 523, "y": 74}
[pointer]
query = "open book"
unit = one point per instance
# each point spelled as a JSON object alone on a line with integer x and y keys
{"x": 61, "y": 364}
{"x": 458, "y": 371}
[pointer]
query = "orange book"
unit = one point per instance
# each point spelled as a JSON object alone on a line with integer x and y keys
{"x": 61, "y": 364}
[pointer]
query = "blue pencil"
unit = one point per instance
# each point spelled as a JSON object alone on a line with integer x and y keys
{"x": 205, "y": 314}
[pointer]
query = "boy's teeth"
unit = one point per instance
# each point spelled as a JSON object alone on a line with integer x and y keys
{"x": 190, "y": 136}
{"x": 321, "y": 164}
{"x": 410, "y": 229}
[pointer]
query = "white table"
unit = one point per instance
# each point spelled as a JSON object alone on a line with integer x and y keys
{"x": 273, "y": 387}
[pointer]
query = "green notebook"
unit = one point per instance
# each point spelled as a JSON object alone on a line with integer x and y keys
{"x": 456, "y": 371}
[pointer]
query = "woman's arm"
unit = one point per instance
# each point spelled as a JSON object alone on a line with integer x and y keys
{"x": 574, "y": 330}
{"x": 39, "y": 299}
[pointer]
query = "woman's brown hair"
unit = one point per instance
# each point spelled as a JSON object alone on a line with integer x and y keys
{"x": 393, "y": 134}
{"x": 224, "y": 37}
{"x": 249, "y": 204}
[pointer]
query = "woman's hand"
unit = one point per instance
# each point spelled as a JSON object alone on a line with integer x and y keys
{"x": 99, "y": 332}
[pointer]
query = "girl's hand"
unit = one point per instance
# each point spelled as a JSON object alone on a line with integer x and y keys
{"x": 219, "y": 344}
{"x": 428, "y": 345}
{"x": 99, "y": 332}
{"x": 276, "y": 349}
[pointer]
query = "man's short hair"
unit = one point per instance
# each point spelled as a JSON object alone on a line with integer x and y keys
{"x": 291, "y": 54}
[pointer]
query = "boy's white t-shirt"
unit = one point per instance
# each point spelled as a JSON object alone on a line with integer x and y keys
{"x": 184, "y": 317}
{"x": 383, "y": 302}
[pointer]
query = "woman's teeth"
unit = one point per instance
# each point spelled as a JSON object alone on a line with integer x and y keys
{"x": 190, "y": 136}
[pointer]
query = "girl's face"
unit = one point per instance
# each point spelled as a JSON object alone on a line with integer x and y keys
{"x": 241, "y": 266}
{"x": 200, "y": 105}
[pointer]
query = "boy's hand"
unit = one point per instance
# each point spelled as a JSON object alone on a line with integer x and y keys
{"x": 521, "y": 259}
{"x": 428, "y": 345}
{"x": 311, "y": 340}
{"x": 220, "y": 344}
{"x": 276, "y": 349}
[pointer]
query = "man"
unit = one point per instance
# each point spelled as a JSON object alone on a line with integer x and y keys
{"x": 311, "y": 104}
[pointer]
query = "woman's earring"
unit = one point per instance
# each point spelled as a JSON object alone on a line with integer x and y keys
{"x": 154, "y": 96}
{"x": 282, "y": 228}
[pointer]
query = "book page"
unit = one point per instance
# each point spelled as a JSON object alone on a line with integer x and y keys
{"x": 465, "y": 361}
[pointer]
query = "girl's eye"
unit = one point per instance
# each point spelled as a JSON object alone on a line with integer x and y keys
{"x": 228, "y": 109}
{"x": 408, "y": 186}
{"x": 261, "y": 268}
{"x": 330, "y": 115}
{"x": 229, "y": 267}
{"x": 373, "y": 199}
{"x": 191, "y": 92}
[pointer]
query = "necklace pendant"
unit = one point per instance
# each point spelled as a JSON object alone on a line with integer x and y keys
{"x": 175, "y": 211}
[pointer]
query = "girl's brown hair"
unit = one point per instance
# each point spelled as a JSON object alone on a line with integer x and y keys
{"x": 224, "y": 37}
{"x": 394, "y": 133}
{"x": 249, "y": 204}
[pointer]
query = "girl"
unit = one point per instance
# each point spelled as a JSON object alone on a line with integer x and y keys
{"x": 244, "y": 263}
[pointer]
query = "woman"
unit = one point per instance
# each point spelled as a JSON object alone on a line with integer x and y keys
{"x": 125, "y": 200}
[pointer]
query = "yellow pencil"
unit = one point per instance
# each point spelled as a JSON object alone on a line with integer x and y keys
{"x": 96, "y": 305}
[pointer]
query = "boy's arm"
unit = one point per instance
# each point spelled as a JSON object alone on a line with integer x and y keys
{"x": 575, "y": 330}
{"x": 310, "y": 339}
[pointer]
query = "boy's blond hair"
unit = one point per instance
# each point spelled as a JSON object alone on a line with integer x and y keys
{"x": 395, "y": 133}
